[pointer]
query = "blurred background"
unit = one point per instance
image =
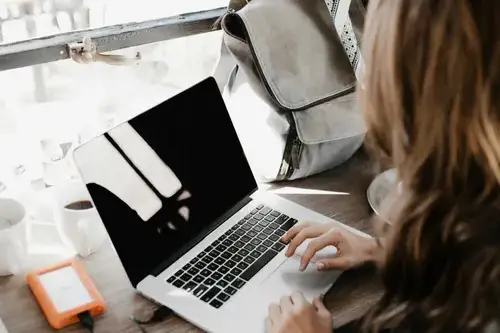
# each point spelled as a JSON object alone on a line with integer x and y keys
{"x": 46, "y": 110}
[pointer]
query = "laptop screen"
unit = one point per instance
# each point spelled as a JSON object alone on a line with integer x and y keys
{"x": 161, "y": 179}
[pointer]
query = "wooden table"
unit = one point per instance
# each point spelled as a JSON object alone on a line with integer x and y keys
{"x": 352, "y": 294}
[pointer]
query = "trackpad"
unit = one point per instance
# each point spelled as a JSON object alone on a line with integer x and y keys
{"x": 287, "y": 279}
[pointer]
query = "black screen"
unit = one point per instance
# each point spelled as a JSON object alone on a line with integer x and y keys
{"x": 193, "y": 135}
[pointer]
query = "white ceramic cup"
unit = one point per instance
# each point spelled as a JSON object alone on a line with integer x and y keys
{"x": 81, "y": 229}
{"x": 13, "y": 237}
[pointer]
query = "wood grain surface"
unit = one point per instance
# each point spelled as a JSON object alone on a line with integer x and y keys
{"x": 351, "y": 296}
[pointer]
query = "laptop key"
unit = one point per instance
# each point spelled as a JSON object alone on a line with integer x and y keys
{"x": 275, "y": 213}
{"x": 206, "y": 272}
{"x": 274, "y": 238}
{"x": 216, "y": 276}
{"x": 200, "y": 290}
{"x": 200, "y": 265}
{"x": 237, "y": 258}
{"x": 223, "y": 297}
{"x": 249, "y": 247}
{"x": 239, "y": 244}
{"x": 264, "y": 223}
{"x": 261, "y": 248}
{"x": 178, "y": 283}
{"x": 245, "y": 239}
{"x": 260, "y": 207}
{"x": 239, "y": 232}
{"x": 193, "y": 261}
{"x": 262, "y": 236}
{"x": 226, "y": 255}
{"x": 258, "y": 265}
{"x": 221, "y": 248}
{"x": 233, "y": 238}
{"x": 242, "y": 265}
{"x": 186, "y": 267}
{"x": 255, "y": 241}
{"x": 256, "y": 254}
{"x": 214, "y": 253}
{"x": 229, "y": 277}
{"x": 232, "y": 249}
{"x": 171, "y": 279}
{"x": 222, "y": 283}
{"x": 249, "y": 216}
{"x": 215, "y": 243}
{"x": 216, "y": 303}
{"x": 209, "y": 282}
{"x": 258, "y": 228}
{"x": 241, "y": 222}
{"x": 278, "y": 247}
{"x": 280, "y": 232}
{"x": 251, "y": 233}
{"x": 238, "y": 283}
{"x": 186, "y": 277}
{"x": 236, "y": 271}
{"x": 270, "y": 218}
{"x": 252, "y": 222}
{"x": 223, "y": 269}
{"x": 198, "y": 278}
{"x": 210, "y": 294}
{"x": 288, "y": 224}
{"x": 193, "y": 271}
{"x": 258, "y": 216}
{"x": 212, "y": 267}
{"x": 249, "y": 260}
{"x": 243, "y": 253}
{"x": 190, "y": 286}
{"x": 227, "y": 243}
{"x": 268, "y": 231}
{"x": 274, "y": 226}
{"x": 230, "y": 264}
{"x": 282, "y": 219}
{"x": 230, "y": 290}
{"x": 268, "y": 243}
{"x": 178, "y": 273}
{"x": 265, "y": 210}
{"x": 246, "y": 227}
{"x": 207, "y": 259}
{"x": 219, "y": 261}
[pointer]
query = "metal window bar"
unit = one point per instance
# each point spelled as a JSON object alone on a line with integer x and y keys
{"x": 54, "y": 48}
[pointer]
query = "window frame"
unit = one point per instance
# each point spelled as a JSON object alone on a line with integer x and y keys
{"x": 108, "y": 38}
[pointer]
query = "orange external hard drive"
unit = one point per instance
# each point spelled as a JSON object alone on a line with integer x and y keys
{"x": 64, "y": 291}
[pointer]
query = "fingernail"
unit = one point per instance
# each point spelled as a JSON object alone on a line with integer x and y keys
{"x": 320, "y": 266}
{"x": 302, "y": 267}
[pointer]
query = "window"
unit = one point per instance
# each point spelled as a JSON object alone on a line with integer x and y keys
{"x": 49, "y": 103}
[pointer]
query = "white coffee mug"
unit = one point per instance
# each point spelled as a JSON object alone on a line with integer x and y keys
{"x": 13, "y": 237}
{"x": 78, "y": 221}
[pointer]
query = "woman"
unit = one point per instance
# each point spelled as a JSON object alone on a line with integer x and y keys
{"x": 432, "y": 105}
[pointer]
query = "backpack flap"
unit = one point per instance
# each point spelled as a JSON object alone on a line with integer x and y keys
{"x": 300, "y": 60}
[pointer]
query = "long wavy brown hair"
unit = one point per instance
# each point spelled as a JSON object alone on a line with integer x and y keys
{"x": 431, "y": 98}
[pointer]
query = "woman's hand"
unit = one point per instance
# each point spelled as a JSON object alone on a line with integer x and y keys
{"x": 294, "y": 314}
{"x": 352, "y": 250}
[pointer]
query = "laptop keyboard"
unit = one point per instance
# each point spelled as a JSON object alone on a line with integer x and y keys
{"x": 224, "y": 267}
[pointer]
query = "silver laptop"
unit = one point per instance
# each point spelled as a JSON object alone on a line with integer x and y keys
{"x": 187, "y": 219}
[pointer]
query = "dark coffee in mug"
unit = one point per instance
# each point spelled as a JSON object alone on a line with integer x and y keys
{"x": 79, "y": 205}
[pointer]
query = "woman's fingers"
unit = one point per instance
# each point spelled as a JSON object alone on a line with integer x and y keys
{"x": 320, "y": 307}
{"x": 286, "y": 304}
{"x": 332, "y": 237}
{"x": 303, "y": 234}
{"x": 294, "y": 231}
{"x": 340, "y": 263}
{"x": 274, "y": 312}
